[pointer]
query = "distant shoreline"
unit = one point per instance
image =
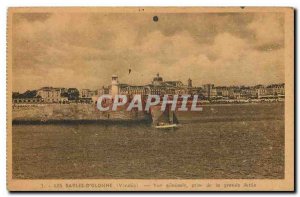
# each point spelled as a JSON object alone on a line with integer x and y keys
{"x": 204, "y": 104}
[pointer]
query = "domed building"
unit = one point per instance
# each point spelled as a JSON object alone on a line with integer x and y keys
{"x": 157, "y": 80}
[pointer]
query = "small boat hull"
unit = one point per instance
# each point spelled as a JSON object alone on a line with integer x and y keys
{"x": 166, "y": 126}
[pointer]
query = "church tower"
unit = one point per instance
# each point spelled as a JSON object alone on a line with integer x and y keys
{"x": 190, "y": 83}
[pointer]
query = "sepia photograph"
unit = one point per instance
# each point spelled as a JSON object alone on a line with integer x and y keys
{"x": 150, "y": 99}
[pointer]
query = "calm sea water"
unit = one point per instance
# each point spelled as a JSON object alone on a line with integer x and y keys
{"x": 238, "y": 141}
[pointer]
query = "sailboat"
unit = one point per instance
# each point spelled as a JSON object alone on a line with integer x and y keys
{"x": 167, "y": 120}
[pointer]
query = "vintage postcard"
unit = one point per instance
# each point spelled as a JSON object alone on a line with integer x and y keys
{"x": 150, "y": 99}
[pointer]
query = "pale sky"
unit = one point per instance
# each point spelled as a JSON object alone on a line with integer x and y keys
{"x": 83, "y": 50}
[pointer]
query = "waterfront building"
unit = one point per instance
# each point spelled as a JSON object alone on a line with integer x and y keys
{"x": 49, "y": 94}
{"x": 58, "y": 95}
{"x": 209, "y": 91}
{"x": 133, "y": 90}
{"x": 245, "y": 92}
{"x": 270, "y": 91}
{"x": 232, "y": 92}
{"x": 87, "y": 93}
{"x": 222, "y": 92}
{"x": 264, "y": 92}
{"x": 103, "y": 90}
{"x": 236, "y": 94}
{"x": 277, "y": 89}
{"x": 157, "y": 80}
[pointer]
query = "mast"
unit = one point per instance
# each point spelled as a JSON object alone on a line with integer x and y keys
{"x": 171, "y": 115}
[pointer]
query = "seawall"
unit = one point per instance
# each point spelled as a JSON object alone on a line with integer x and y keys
{"x": 72, "y": 112}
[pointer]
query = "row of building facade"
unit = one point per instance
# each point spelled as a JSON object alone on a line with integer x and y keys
{"x": 53, "y": 95}
{"x": 206, "y": 92}
{"x": 157, "y": 87}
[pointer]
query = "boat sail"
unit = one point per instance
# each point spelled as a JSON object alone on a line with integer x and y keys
{"x": 167, "y": 119}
